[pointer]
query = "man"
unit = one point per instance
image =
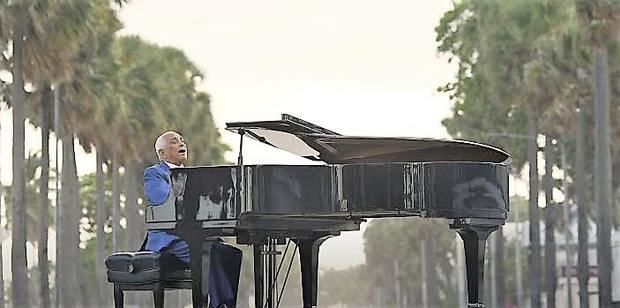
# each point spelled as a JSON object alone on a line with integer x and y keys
{"x": 172, "y": 153}
{"x": 223, "y": 277}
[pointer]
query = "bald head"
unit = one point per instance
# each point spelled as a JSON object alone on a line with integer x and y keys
{"x": 170, "y": 146}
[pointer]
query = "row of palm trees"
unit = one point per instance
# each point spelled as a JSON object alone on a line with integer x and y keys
{"x": 533, "y": 68}
{"x": 112, "y": 95}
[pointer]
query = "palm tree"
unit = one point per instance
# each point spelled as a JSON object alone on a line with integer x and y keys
{"x": 1, "y": 253}
{"x": 524, "y": 67}
{"x": 570, "y": 62}
{"x": 79, "y": 97}
{"x": 104, "y": 85}
{"x": 101, "y": 218}
{"x": 69, "y": 292}
{"x": 499, "y": 266}
{"x": 18, "y": 248}
{"x": 583, "y": 272}
{"x": 116, "y": 198}
{"x": 549, "y": 213}
{"x": 32, "y": 177}
{"x": 602, "y": 18}
{"x": 44, "y": 199}
{"x": 533, "y": 212}
{"x": 603, "y": 170}
{"x": 50, "y": 48}
{"x": 158, "y": 94}
{"x": 41, "y": 55}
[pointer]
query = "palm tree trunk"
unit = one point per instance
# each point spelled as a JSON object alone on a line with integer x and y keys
{"x": 133, "y": 232}
{"x": 101, "y": 238}
{"x": 44, "y": 291}
{"x": 19, "y": 268}
{"x": 58, "y": 177}
{"x": 499, "y": 266}
{"x": 1, "y": 252}
{"x": 602, "y": 173}
{"x": 567, "y": 228}
{"x": 82, "y": 297}
{"x": 533, "y": 213}
{"x": 549, "y": 212}
{"x": 424, "y": 274}
{"x": 431, "y": 262}
{"x": 116, "y": 203}
{"x": 76, "y": 216}
{"x": 69, "y": 259}
{"x": 582, "y": 212}
{"x": 133, "y": 237}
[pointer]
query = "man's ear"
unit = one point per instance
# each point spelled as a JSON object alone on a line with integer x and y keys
{"x": 160, "y": 152}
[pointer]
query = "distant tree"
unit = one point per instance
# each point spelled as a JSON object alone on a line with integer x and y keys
{"x": 348, "y": 287}
{"x": 405, "y": 237}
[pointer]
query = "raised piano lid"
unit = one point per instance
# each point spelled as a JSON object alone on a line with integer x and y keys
{"x": 316, "y": 143}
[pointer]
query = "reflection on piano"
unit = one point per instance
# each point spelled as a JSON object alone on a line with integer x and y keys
{"x": 362, "y": 177}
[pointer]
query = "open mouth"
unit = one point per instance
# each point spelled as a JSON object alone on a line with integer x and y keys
{"x": 183, "y": 151}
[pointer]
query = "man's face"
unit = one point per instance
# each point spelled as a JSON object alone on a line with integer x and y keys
{"x": 175, "y": 150}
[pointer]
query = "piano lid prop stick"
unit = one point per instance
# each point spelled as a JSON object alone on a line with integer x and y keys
{"x": 240, "y": 159}
{"x": 240, "y": 180}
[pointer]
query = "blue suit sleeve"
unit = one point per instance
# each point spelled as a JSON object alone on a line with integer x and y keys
{"x": 156, "y": 187}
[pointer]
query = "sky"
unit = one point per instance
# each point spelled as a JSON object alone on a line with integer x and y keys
{"x": 356, "y": 67}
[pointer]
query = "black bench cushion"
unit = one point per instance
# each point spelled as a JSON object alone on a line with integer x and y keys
{"x": 133, "y": 267}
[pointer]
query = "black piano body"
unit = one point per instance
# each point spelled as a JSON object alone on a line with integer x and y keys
{"x": 362, "y": 177}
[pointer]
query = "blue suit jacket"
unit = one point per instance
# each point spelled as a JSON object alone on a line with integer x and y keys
{"x": 156, "y": 189}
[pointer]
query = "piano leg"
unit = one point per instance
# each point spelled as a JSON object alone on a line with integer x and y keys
{"x": 309, "y": 259}
{"x": 258, "y": 276}
{"x": 195, "y": 255}
{"x": 199, "y": 255}
{"x": 474, "y": 237}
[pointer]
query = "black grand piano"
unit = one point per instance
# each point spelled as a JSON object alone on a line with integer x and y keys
{"x": 361, "y": 177}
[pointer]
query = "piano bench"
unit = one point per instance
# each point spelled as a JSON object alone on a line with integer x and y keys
{"x": 141, "y": 271}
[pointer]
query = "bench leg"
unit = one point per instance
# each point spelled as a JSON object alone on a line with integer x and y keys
{"x": 158, "y": 297}
{"x": 118, "y": 296}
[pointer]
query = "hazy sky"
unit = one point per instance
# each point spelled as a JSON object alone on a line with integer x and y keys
{"x": 353, "y": 66}
{"x": 357, "y": 67}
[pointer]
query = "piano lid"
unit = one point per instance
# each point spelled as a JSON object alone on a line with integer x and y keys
{"x": 317, "y": 143}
